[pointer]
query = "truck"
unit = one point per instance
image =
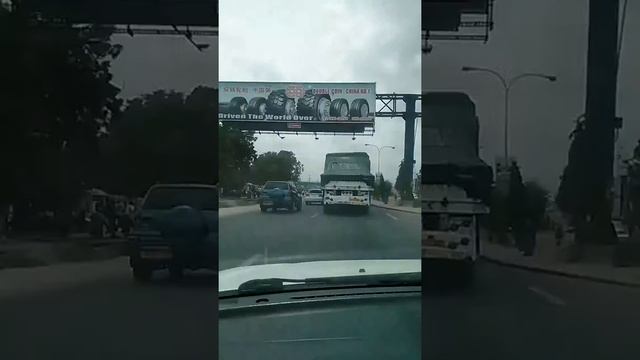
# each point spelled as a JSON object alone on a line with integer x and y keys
{"x": 456, "y": 183}
{"x": 347, "y": 181}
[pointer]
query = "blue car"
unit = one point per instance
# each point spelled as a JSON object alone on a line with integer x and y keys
{"x": 280, "y": 194}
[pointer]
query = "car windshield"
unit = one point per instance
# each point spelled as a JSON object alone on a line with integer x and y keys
{"x": 170, "y": 197}
{"x": 276, "y": 185}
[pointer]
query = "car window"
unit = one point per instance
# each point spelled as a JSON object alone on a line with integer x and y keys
{"x": 271, "y": 185}
{"x": 167, "y": 198}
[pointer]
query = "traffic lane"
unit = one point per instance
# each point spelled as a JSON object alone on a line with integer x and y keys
{"x": 515, "y": 314}
{"x": 114, "y": 318}
{"x": 257, "y": 238}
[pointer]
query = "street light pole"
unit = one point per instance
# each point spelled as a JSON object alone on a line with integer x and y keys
{"x": 380, "y": 148}
{"x": 507, "y": 85}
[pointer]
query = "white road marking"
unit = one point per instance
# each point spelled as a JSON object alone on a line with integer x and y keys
{"x": 312, "y": 339}
{"x": 547, "y": 296}
{"x": 314, "y": 215}
{"x": 391, "y": 216}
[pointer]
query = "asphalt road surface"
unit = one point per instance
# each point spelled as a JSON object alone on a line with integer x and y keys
{"x": 517, "y": 314}
{"x": 258, "y": 238}
{"x": 509, "y": 314}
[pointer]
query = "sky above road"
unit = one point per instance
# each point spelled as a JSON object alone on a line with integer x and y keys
{"x": 547, "y": 36}
{"x": 373, "y": 40}
{"x": 331, "y": 41}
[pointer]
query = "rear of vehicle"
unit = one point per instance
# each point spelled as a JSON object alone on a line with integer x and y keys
{"x": 313, "y": 196}
{"x": 347, "y": 181}
{"x": 177, "y": 229}
{"x": 280, "y": 194}
{"x": 351, "y": 193}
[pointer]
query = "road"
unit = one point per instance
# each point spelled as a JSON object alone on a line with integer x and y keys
{"x": 111, "y": 317}
{"x": 257, "y": 238}
{"x": 509, "y": 314}
{"x": 517, "y": 314}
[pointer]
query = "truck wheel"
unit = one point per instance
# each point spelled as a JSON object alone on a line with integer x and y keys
{"x": 317, "y": 106}
{"x": 257, "y": 106}
{"x": 238, "y": 105}
{"x": 142, "y": 273}
{"x": 359, "y": 108}
{"x": 339, "y": 108}
{"x": 279, "y": 104}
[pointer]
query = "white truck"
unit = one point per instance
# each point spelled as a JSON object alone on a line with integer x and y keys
{"x": 347, "y": 181}
{"x": 451, "y": 226}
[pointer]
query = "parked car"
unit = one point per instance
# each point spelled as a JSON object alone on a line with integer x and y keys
{"x": 280, "y": 194}
{"x": 176, "y": 228}
{"x": 313, "y": 196}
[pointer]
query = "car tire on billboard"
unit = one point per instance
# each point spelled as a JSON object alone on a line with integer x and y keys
{"x": 237, "y": 105}
{"x": 278, "y": 103}
{"x": 314, "y": 105}
{"x": 360, "y": 108}
{"x": 257, "y": 106}
{"x": 339, "y": 108}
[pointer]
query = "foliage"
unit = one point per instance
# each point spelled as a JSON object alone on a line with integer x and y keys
{"x": 404, "y": 182}
{"x": 237, "y": 153}
{"x": 537, "y": 199}
{"x": 60, "y": 105}
{"x": 282, "y": 165}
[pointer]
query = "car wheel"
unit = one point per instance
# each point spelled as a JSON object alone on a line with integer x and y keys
{"x": 142, "y": 273}
{"x": 263, "y": 209}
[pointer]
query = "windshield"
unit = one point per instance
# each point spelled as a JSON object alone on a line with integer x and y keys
{"x": 327, "y": 141}
{"x": 168, "y": 198}
{"x": 276, "y": 185}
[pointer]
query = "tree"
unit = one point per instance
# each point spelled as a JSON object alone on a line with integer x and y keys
{"x": 282, "y": 165}
{"x": 237, "y": 153}
{"x": 164, "y": 137}
{"x": 537, "y": 199}
{"x": 403, "y": 182}
{"x": 61, "y": 104}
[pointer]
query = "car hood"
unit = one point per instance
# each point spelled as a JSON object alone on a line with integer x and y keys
{"x": 230, "y": 279}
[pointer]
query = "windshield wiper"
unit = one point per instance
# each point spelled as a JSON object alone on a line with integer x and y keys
{"x": 276, "y": 285}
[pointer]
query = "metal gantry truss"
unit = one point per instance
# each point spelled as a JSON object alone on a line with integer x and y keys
{"x": 472, "y": 26}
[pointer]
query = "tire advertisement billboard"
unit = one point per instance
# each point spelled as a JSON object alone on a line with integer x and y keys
{"x": 287, "y": 106}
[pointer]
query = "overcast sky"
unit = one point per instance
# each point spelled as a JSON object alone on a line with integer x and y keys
{"x": 548, "y": 36}
{"x": 373, "y": 40}
{"x": 331, "y": 41}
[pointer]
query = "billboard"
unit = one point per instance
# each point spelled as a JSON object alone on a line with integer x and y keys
{"x": 304, "y": 107}
{"x": 129, "y": 12}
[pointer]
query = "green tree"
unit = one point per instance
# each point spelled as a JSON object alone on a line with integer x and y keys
{"x": 404, "y": 183}
{"x": 58, "y": 104}
{"x": 237, "y": 153}
{"x": 164, "y": 137}
{"x": 537, "y": 199}
{"x": 282, "y": 165}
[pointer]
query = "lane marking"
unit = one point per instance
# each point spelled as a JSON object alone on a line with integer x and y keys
{"x": 312, "y": 339}
{"x": 391, "y": 216}
{"x": 314, "y": 215}
{"x": 547, "y": 296}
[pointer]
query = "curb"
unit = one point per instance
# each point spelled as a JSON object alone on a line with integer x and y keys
{"x": 561, "y": 273}
{"x": 418, "y": 211}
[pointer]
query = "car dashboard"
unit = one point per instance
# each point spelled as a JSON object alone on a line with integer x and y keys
{"x": 353, "y": 323}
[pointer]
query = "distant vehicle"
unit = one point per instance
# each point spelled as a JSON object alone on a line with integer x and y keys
{"x": 347, "y": 181}
{"x": 280, "y": 194}
{"x": 313, "y": 196}
{"x": 176, "y": 228}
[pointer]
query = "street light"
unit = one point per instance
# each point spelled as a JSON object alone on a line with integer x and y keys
{"x": 507, "y": 84}
{"x": 380, "y": 148}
